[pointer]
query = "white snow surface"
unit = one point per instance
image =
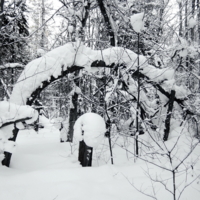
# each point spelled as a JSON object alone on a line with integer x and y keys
{"x": 42, "y": 168}
{"x": 90, "y": 127}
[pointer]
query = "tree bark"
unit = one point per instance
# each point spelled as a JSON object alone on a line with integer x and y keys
{"x": 73, "y": 115}
{"x": 7, "y": 158}
{"x": 168, "y": 118}
{"x": 180, "y": 19}
{"x": 138, "y": 100}
{"x": 42, "y": 42}
{"x": 193, "y": 10}
{"x": 73, "y": 112}
{"x": 84, "y": 20}
{"x": 107, "y": 22}
{"x": 85, "y": 154}
{"x": 186, "y": 21}
{"x": 198, "y": 16}
{"x": 1, "y": 12}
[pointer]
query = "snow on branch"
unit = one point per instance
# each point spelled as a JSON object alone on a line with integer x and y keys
{"x": 63, "y": 58}
{"x": 12, "y": 113}
{"x": 11, "y": 65}
{"x": 75, "y": 56}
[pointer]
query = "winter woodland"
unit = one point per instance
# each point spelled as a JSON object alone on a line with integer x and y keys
{"x": 100, "y": 99}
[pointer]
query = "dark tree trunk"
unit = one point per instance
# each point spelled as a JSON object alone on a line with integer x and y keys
{"x": 193, "y": 10}
{"x": 73, "y": 115}
{"x": 73, "y": 112}
{"x": 1, "y": 12}
{"x": 107, "y": 22}
{"x": 42, "y": 41}
{"x": 180, "y": 19}
{"x": 84, "y": 20}
{"x": 138, "y": 100}
{"x": 85, "y": 154}
{"x": 7, "y": 158}
{"x": 198, "y": 8}
{"x": 186, "y": 21}
{"x": 168, "y": 118}
{"x": 1, "y": 18}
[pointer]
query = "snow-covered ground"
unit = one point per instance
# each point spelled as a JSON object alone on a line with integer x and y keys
{"x": 42, "y": 168}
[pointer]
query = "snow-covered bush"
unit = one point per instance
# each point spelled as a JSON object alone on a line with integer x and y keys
{"x": 12, "y": 114}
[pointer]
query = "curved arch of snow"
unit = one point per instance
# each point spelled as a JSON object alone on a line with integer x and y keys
{"x": 90, "y": 127}
{"x": 77, "y": 54}
{"x": 62, "y": 58}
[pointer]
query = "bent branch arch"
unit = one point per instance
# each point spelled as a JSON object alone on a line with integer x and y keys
{"x": 46, "y": 83}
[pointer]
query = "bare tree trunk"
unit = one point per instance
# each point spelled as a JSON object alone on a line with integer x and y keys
{"x": 84, "y": 20}
{"x": 107, "y": 22}
{"x": 168, "y": 118}
{"x": 193, "y": 10}
{"x": 180, "y": 19}
{"x": 198, "y": 8}
{"x": 1, "y": 12}
{"x": 42, "y": 42}
{"x": 186, "y": 21}
{"x": 7, "y": 158}
{"x": 85, "y": 154}
{"x": 73, "y": 112}
{"x": 1, "y": 18}
{"x": 73, "y": 115}
{"x": 138, "y": 100}
{"x": 162, "y": 7}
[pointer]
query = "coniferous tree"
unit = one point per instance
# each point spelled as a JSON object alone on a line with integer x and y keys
{"x": 14, "y": 29}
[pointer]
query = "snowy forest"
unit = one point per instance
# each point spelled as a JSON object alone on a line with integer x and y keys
{"x": 99, "y": 99}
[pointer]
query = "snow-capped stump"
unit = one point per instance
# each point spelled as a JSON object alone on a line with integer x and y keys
{"x": 89, "y": 129}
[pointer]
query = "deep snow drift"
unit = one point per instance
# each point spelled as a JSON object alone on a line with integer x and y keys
{"x": 44, "y": 169}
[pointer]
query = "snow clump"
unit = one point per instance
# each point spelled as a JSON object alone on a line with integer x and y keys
{"x": 90, "y": 127}
{"x": 137, "y": 22}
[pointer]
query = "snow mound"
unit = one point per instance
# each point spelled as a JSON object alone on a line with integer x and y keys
{"x": 90, "y": 127}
